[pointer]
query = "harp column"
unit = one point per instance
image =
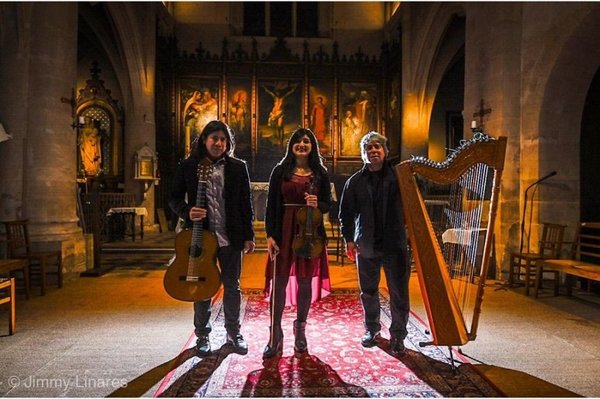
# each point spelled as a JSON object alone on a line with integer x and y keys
{"x": 50, "y": 157}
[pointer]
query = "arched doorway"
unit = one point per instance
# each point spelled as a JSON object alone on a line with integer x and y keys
{"x": 566, "y": 124}
{"x": 588, "y": 151}
{"x": 448, "y": 71}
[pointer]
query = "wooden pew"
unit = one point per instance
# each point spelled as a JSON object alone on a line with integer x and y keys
{"x": 584, "y": 260}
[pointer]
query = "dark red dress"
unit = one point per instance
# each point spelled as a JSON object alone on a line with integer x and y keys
{"x": 288, "y": 264}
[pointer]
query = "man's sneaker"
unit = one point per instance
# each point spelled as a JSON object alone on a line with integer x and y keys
{"x": 397, "y": 347}
{"x": 202, "y": 346}
{"x": 237, "y": 341}
{"x": 369, "y": 339}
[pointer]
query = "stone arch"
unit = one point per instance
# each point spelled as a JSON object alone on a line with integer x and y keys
{"x": 434, "y": 49}
{"x": 449, "y": 62}
{"x": 560, "y": 116}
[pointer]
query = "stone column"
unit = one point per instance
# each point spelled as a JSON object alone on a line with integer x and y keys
{"x": 50, "y": 147}
{"x": 493, "y": 73}
{"x": 14, "y": 66}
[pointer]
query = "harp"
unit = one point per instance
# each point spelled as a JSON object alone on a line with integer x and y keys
{"x": 452, "y": 252}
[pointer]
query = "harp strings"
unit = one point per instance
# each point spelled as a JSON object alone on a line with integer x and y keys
{"x": 462, "y": 233}
{"x": 451, "y": 252}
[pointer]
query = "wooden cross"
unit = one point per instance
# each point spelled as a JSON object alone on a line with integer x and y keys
{"x": 482, "y": 112}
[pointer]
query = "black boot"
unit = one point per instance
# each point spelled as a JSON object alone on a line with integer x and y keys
{"x": 300, "y": 344}
{"x": 275, "y": 345}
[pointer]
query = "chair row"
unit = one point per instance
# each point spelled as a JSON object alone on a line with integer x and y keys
{"x": 531, "y": 265}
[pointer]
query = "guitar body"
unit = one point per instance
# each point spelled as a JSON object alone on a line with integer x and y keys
{"x": 193, "y": 278}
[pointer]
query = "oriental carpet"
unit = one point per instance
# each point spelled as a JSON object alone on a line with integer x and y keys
{"x": 335, "y": 365}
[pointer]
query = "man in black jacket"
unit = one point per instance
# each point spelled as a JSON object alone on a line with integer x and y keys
{"x": 228, "y": 213}
{"x": 372, "y": 225}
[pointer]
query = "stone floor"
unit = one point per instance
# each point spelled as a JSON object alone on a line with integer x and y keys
{"x": 118, "y": 334}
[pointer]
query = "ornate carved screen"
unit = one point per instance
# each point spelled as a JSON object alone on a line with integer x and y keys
{"x": 452, "y": 258}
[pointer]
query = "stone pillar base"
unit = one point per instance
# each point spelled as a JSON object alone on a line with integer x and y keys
{"x": 66, "y": 237}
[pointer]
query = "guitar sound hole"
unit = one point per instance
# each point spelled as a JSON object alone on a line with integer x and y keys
{"x": 195, "y": 251}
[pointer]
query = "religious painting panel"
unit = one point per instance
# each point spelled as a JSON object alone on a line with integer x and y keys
{"x": 239, "y": 103}
{"x": 279, "y": 114}
{"x": 320, "y": 100}
{"x": 199, "y": 104}
{"x": 394, "y": 120}
{"x": 358, "y": 115}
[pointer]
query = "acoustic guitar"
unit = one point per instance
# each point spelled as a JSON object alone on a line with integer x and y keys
{"x": 194, "y": 275}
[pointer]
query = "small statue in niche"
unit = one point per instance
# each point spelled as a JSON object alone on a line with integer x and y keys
{"x": 90, "y": 148}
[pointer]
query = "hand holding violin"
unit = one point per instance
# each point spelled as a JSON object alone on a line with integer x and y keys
{"x": 311, "y": 200}
{"x": 308, "y": 243}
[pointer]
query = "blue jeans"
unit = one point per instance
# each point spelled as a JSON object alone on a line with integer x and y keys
{"x": 230, "y": 261}
{"x": 397, "y": 273}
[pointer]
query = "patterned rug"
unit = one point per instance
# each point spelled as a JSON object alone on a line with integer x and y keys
{"x": 336, "y": 364}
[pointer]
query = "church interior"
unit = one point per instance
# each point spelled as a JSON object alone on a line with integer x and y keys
{"x": 120, "y": 91}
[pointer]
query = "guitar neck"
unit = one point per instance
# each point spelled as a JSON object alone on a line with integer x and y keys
{"x": 200, "y": 203}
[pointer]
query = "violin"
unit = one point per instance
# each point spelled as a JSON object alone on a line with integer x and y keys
{"x": 308, "y": 243}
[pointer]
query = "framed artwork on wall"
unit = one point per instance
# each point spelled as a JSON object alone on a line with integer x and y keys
{"x": 279, "y": 114}
{"x": 239, "y": 111}
{"x": 199, "y": 104}
{"x": 320, "y": 101}
{"x": 358, "y": 115}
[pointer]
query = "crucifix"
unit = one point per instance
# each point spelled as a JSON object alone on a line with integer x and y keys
{"x": 481, "y": 113}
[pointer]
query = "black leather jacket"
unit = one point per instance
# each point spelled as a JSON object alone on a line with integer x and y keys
{"x": 357, "y": 218}
{"x": 236, "y": 194}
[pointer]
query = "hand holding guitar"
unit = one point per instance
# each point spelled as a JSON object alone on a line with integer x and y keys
{"x": 197, "y": 214}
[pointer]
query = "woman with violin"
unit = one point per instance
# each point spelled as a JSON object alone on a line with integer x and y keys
{"x": 297, "y": 271}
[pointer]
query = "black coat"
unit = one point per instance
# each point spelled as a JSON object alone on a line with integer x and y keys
{"x": 236, "y": 194}
{"x": 357, "y": 217}
{"x": 275, "y": 208}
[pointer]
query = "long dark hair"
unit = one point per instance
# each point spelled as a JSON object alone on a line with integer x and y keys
{"x": 315, "y": 160}
{"x": 198, "y": 145}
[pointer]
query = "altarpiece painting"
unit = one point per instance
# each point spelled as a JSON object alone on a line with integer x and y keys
{"x": 394, "y": 121}
{"x": 280, "y": 113}
{"x": 239, "y": 96}
{"x": 320, "y": 97}
{"x": 358, "y": 115}
{"x": 199, "y": 102}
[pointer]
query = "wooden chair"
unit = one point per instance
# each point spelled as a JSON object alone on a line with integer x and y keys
{"x": 335, "y": 233}
{"x": 19, "y": 248}
{"x": 337, "y": 238}
{"x": 524, "y": 263}
{"x": 13, "y": 266}
{"x": 9, "y": 285}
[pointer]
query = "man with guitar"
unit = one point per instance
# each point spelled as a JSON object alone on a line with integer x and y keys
{"x": 225, "y": 214}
